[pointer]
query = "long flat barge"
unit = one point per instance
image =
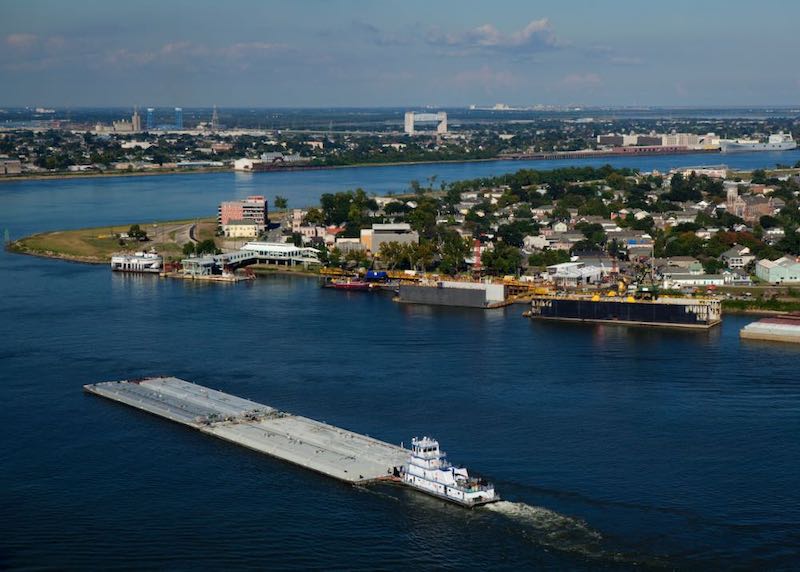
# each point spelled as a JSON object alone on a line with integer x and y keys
{"x": 326, "y": 449}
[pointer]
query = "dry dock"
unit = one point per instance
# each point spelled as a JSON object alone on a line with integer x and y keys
{"x": 329, "y": 450}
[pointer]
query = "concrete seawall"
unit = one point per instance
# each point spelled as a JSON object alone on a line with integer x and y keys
{"x": 329, "y": 450}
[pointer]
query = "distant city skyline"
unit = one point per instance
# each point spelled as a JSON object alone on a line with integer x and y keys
{"x": 398, "y": 54}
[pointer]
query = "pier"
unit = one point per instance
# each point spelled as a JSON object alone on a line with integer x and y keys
{"x": 332, "y": 451}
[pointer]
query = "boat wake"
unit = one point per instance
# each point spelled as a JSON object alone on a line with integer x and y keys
{"x": 564, "y": 533}
{"x": 551, "y": 528}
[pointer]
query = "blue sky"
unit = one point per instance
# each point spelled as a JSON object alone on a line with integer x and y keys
{"x": 405, "y": 53}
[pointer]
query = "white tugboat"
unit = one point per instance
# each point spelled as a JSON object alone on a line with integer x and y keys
{"x": 428, "y": 471}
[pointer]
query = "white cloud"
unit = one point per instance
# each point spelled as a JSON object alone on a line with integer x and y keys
{"x": 536, "y": 36}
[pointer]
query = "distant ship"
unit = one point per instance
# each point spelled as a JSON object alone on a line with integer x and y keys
{"x": 779, "y": 142}
{"x": 692, "y": 313}
{"x": 428, "y": 471}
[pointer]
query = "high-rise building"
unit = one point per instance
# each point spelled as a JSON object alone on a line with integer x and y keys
{"x": 178, "y": 118}
{"x": 136, "y": 121}
{"x": 150, "y": 122}
{"x": 252, "y": 208}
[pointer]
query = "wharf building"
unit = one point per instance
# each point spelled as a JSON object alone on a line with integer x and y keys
{"x": 247, "y": 218}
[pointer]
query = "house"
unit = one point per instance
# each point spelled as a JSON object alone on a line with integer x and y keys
{"x": 737, "y": 256}
{"x": 534, "y": 243}
{"x": 560, "y": 226}
{"x": 784, "y": 270}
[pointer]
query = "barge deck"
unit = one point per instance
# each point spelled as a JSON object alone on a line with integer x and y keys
{"x": 326, "y": 449}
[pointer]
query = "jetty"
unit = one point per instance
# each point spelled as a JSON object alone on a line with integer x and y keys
{"x": 326, "y": 449}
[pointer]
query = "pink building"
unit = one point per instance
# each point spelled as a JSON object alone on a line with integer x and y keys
{"x": 252, "y": 208}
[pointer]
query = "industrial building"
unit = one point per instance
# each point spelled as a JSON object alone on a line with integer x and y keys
{"x": 372, "y": 238}
{"x": 412, "y": 118}
{"x": 784, "y": 270}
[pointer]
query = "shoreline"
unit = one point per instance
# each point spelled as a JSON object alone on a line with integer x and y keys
{"x": 509, "y": 159}
{"x": 264, "y": 270}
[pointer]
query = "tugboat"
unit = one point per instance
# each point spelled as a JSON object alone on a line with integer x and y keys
{"x": 428, "y": 471}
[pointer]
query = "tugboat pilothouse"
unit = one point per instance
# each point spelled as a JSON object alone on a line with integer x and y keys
{"x": 428, "y": 471}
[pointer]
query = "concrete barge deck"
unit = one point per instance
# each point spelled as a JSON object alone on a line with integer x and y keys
{"x": 323, "y": 448}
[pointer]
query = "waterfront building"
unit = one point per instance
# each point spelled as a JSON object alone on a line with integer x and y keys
{"x": 372, "y": 238}
{"x": 252, "y": 209}
{"x": 785, "y": 270}
{"x": 10, "y": 167}
{"x": 242, "y": 228}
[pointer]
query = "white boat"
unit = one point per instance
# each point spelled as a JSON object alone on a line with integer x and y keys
{"x": 777, "y": 142}
{"x": 428, "y": 471}
{"x": 149, "y": 262}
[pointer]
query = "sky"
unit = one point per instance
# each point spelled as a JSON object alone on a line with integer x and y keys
{"x": 359, "y": 53}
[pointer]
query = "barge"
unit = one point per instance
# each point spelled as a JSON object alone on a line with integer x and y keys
{"x": 329, "y": 450}
{"x": 689, "y": 313}
{"x": 783, "y": 328}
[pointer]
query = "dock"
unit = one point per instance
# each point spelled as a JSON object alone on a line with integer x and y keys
{"x": 326, "y": 449}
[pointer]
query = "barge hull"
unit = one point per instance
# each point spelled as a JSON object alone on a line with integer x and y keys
{"x": 669, "y": 313}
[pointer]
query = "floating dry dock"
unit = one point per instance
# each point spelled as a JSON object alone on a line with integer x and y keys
{"x": 311, "y": 444}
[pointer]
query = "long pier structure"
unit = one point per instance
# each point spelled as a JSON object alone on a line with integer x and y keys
{"x": 329, "y": 450}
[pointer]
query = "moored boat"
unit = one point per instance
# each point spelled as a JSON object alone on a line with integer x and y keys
{"x": 349, "y": 284}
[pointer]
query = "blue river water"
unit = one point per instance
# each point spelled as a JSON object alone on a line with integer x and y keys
{"x": 613, "y": 447}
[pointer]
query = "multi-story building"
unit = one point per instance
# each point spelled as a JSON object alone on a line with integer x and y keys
{"x": 253, "y": 209}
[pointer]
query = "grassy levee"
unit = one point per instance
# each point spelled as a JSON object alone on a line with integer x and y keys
{"x": 98, "y": 244}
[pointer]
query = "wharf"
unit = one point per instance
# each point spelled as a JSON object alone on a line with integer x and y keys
{"x": 323, "y": 448}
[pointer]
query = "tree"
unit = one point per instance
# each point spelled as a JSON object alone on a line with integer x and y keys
{"x": 207, "y": 246}
{"x": 454, "y": 249}
{"x": 391, "y": 254}
{"x": 136, "y": 233}
{"x": 548, "y": 257}
{"x": 281, "y": 202}
{"x": 502, "y": 259}
{"x": 188, "y": 249}
{"x": 314, "y": 216}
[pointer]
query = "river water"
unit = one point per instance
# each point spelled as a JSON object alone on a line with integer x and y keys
{"x": 612, "y": 446}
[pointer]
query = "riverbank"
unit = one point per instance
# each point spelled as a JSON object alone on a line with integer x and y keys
{"x": 96, "y": 245}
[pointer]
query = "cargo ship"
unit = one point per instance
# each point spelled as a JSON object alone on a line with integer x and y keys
{"x": 690, "y": 313}
{"x": 429, "y": 472}
{"x": 776, "y": 142}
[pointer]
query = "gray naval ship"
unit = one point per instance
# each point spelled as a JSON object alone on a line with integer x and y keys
{"x": 778, "y": 142}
